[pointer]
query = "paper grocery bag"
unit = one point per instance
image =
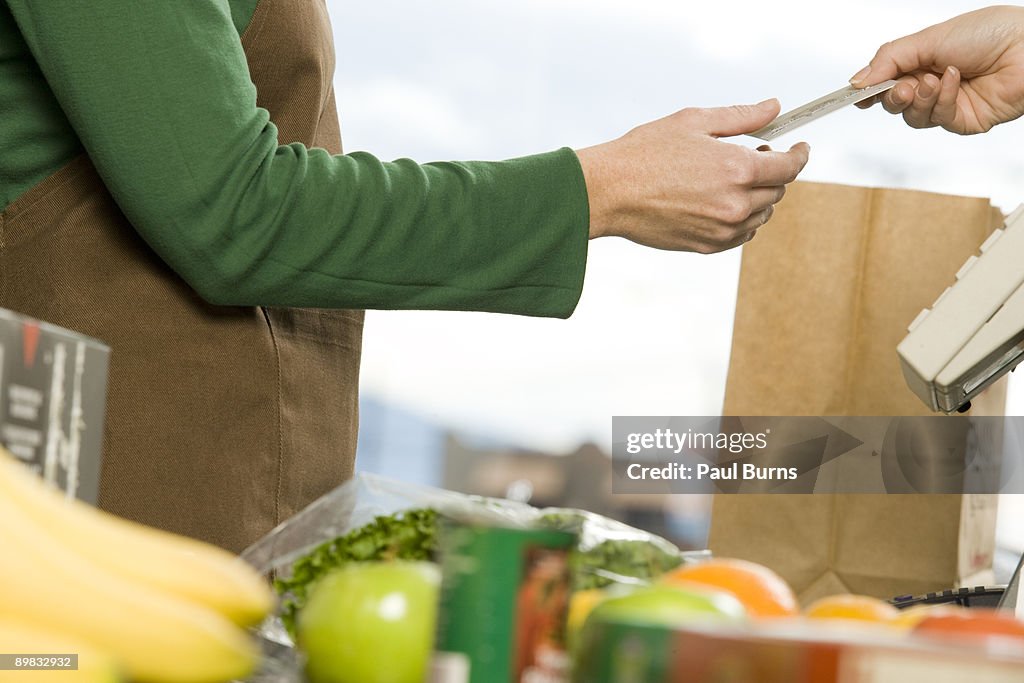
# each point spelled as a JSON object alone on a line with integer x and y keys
{"x": 826, "y": 292}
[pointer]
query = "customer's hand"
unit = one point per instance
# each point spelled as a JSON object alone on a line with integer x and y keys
{"x": 672, "y": 184}
{"x": 965, "y": 74}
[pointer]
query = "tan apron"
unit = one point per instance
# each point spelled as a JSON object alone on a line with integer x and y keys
{"x": 221, "y": 421}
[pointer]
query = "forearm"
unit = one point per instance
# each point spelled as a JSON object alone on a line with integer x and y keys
{"x": 351, "y": 231}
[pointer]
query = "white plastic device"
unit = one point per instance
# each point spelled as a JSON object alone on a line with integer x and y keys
{"x": 974, "y": 332}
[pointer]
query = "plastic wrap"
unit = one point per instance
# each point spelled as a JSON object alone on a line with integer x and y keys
{"x": 637, "y": 554}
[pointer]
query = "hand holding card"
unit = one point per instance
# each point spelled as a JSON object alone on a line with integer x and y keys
{"x": 822, "y": 106}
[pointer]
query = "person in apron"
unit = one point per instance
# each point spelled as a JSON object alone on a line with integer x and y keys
{"x": 173, "y": 185}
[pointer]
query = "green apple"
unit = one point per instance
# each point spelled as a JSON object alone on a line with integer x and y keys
{"x": 669, "y": 605}
{"x": 630, "y": 637}
{"x": 371, "y": 622}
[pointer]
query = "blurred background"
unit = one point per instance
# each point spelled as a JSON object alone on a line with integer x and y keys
{"x": 520, "y": 407}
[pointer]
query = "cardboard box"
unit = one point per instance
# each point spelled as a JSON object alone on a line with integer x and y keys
{"x": 53, "y": 389}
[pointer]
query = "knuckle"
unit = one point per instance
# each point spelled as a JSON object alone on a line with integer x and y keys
{"x": 740, "y": 169}
{"x": 734, "y": 209}
{"x": 727, "y": 211}
{"x": 688, "y": 114}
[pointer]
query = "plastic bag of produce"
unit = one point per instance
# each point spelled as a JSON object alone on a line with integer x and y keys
{"x": 373, "y": 518}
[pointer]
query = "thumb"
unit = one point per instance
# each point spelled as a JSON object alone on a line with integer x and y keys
{"x": 738, "y": 119}
{"x": 893, "y": 59}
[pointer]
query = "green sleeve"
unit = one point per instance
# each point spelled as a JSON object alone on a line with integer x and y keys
{"x": 159, "y": 93}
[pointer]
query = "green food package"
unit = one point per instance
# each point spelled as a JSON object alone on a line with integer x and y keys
{"x": 624, "y": 652}
{"x": 504, "y": 599}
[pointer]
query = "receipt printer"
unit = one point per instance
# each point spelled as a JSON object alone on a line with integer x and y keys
{"x": 974, "y": 332}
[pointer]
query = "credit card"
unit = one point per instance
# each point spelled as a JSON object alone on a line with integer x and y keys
{"x": 822, "y": 106}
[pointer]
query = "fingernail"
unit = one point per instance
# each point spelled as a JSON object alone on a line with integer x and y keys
{"x": 926, "y": 89}
{"x": 860, "y": 75}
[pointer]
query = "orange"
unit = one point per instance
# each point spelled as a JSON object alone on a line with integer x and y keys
{"x": 763, "y": 592}
{"x": 857, "y": 607}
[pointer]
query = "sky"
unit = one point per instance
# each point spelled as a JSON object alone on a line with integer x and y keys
{"x": 465, "y": 79}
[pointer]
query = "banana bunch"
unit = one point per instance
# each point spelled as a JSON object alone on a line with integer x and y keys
{"x": 160, "y": 608}
{"x": 93, "y": 665}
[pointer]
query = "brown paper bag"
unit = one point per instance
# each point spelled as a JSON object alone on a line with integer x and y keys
{"x": 827, "y": 290}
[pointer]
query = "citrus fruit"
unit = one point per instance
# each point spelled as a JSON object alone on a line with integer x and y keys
{"x": 856, "y": 607}
{"x": 760, "y": 590}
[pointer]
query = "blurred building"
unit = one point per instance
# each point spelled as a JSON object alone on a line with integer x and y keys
{"x": 581, "y": 479}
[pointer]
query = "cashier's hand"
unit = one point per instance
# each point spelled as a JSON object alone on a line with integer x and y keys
{"x": 672, "y": 184}
{"x": 965, "y": 74}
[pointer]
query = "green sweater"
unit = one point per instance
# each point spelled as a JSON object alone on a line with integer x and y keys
{"x": 157, "y": 92}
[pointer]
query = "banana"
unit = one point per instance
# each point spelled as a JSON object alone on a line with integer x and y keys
{"x": 196, "y": 571}
{"x": 20, "y": 638}
{"x": 157, "y": 638}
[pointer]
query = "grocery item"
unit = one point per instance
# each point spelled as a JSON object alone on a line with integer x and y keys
{"x": 580, "y": 605}
{"x": 190, "y": 569}
{"x": 855, "y": 607}
{"x": 971, "y": 624}
{"x": 371, "y": 622}
{"x": 910, "y": 617}
{"x": 412, "y": 534}
{"x": 619, "y": 652}
{"x": 53, "y": 390}
{"x": 669, "y": 605}
{"x": 629, "y": 637}
{"x": 19, "y": 637}
{"x": 54, "y": 582}
{"x": 504, "y": 599}
{"x": 785, "y": 652}
{"x": 406, "y": 535}
{"x": 372, "y": 518}
{"x": 612, "y": 557}
{"x": 761, "y": 591}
